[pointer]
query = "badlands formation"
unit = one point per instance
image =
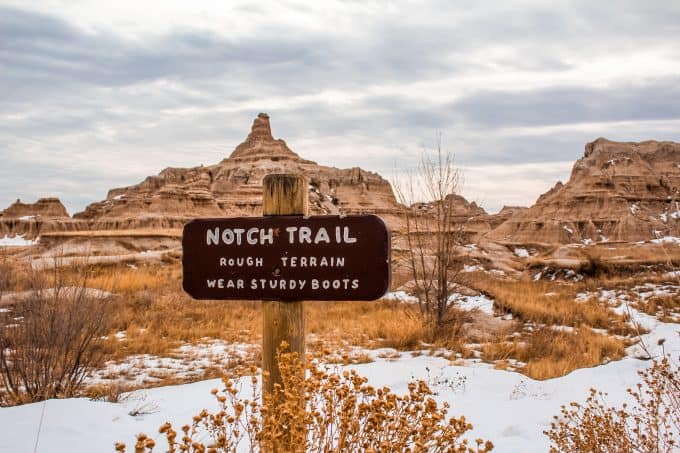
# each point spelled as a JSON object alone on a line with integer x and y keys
{"x": 233, "y": 187}
{"x": 618, "y": 193}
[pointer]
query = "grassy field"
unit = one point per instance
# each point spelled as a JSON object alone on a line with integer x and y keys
{"x": 550, "y": 333}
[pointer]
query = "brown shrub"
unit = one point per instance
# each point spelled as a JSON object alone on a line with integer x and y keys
{"x": 649, "y": 426}
{"x": 332, "y": 412}
{"x": 50, "y": 340}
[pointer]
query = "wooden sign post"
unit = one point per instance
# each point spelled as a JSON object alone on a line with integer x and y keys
{"x": 282, "y": 321}
{"x": 284, "y": 258}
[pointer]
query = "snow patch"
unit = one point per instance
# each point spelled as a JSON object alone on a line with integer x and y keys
{"x": 16, "y": 241}
{"x": 521, "y": 252}
{"x": 401, "y": 296}
{"x": 666, "y": 240}
{"x": 470, "y": 303}
{"x": 475, "y": 268}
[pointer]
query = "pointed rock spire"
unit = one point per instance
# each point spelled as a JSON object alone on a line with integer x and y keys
{"x": 261, "y": 145}
{"x": 261, "y": 129}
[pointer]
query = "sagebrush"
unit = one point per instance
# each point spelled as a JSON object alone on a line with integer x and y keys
{"x": 650, "y": 425}
{"x": 320, "y": 411}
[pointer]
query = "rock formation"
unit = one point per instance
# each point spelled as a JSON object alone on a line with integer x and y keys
{"x": 47, "y": 208}
{"x": 233, "y": 187}
{"x": 617, "y": 192}
{"x": 28, "y": 219}
{"x": 470, "y": 219}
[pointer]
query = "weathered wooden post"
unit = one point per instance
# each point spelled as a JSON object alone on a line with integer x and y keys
{"x": 282, "y": 321}
{"x": 282, "y": 259}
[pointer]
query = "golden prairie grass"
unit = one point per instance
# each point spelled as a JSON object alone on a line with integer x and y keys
{"x": 157, "y": 317}
{"x": 549, "y": 303}
{"x": 550, "y": 353}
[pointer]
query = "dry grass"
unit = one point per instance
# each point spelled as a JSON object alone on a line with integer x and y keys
{"x": 157, "y": 317}
{"x": 550, "y": 353}
{"x": 549, "y": 303}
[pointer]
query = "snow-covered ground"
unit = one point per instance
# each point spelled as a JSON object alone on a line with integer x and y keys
{"x": 505, "y": 407}
{"x": 189, "y": 361}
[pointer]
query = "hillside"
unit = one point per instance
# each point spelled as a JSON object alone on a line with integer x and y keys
{"x": 618, "y": 191}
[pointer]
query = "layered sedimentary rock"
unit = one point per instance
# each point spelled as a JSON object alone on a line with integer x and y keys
{"x": 469, "y": 219}
{"x": 617, "y": 192}
{"x": 48, "y": 208}
{"x": 29, "y": 219}
{"x": 233, "y": 187}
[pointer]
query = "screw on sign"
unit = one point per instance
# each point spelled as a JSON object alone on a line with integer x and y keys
{"x": 283, "y": 259}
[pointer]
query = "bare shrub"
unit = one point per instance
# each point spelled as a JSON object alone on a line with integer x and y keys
{"x": 6, "y": 272}
{"x": 335, "y": 412}
{"x": 49, "y": 339}
{"x": 650, "y": 425}
{"x": 432, "y": 233}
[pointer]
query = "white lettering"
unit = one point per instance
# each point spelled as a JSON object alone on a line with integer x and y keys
{"x": 228, "y": 236}
{"x": 239, "y": 232}
{"x": 305, "y": 235}
{"x": 347, "y": 238}
{"x": 322, "y": 235}
{"x": 269, "y": 236}
{"x": 250, "y": 236}
{"x": 212, "y": 237}
{"x": 291, "y": 234}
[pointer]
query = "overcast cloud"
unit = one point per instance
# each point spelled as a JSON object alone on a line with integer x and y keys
{"x": 95, "y": 95}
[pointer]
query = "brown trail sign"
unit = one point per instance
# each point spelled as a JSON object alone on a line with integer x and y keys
{"x": 287, "y": 258}
{"x": 284, "y": 258}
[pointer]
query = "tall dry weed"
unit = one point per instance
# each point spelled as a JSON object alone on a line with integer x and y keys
{"x": 650, "y": 425}
{"x": 323, "y": 411}
{"x": 49, "y": 340}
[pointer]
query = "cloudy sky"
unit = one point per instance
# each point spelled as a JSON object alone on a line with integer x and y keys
{"x": 100, "y": 94}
